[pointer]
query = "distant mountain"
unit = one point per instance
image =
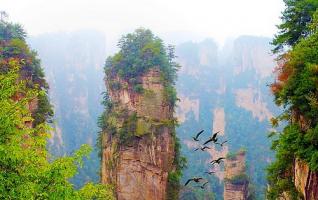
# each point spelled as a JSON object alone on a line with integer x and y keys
{"x": 225, "y": 90}
{"x": 73, "y": 64}
{"x": 220, "y": 90}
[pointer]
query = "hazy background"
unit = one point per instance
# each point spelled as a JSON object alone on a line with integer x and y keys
{"x": 219, "y": 19}
{"x": 223, "y": 47}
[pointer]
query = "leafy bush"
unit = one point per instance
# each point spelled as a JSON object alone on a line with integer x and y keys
{"x": 128, "y": 128}
{"x": 173, "y": 185}
{"x": 140, "y": 51}
{"x": 231, "y": 156}
{"x": 239, "y": 179}
{"x": 138, "y": 88}
{"x": 171, "y": 95}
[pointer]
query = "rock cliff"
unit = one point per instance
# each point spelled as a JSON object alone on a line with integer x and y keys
{"x": 235, "y": 179}
{"x": 237, "y": 93}
{"x": 306, "y": 180}
{"x": 138, "y": 156}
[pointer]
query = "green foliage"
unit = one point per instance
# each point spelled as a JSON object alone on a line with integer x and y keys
{"x": 179, "y": 161}
{"x": 173, "y": 185}
{"x": 143, "y": 127}
{"x": 138, "y": 88}
{"x": 13, "y": 45}
{"x": 297, "y": 92}
{"x": 287, "y": 146}
{"x": 91, "y": 191}
{"x": 116, "y": 123}
{"x": 103, "y": 122}
{"x": 231, "y": 156}
{"x": 148, "y": 93}
{"x": 170, "y": 95}
{"x": 239, "y": 179}
{"x": 128, "y": 129}
{"x": 9, "y": 31}
{"x": 300, "y": 90}
{"x": 140, "y": 51}
{"x": 44, "y": 110}
{"x": 25, "y": 171}
{"x": 174, "y": 176}
{"x": 296, "y": 18}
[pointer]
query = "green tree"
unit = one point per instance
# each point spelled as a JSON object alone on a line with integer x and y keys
{"x": 13, "y": 45}
{"x": 140, "y": 51}
{"x": 295, "y": 88}
{"x": 27, "y": 171}
{"x": 296, "y": 17}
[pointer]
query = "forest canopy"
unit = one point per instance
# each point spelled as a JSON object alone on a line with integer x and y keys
{"x": 27, "y": 170}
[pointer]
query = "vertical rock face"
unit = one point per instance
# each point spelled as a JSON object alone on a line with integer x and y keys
{"x": 139, "y": 166}
{"x": 236, "y": 181}
{"x": 237, "y": 93}
{"x": 306, "y": 181}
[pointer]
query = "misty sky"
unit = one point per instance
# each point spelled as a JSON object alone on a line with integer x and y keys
{"x": 219, "y": 19}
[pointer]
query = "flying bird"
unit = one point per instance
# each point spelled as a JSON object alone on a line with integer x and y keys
{"x": 202, "y": 148}
{"x": 196, "y": 138}
{"x": 217, "y": 161}
{"x": 212, "y": 139}
{"x": 202, "y": 186}
{"x": 221, "y": 144}
{"x": 195, "y": 179}
{"x": 210, "y": 173}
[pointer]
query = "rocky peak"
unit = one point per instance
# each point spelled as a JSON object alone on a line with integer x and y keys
{"x": 144, "y": 103}
{"x": 235, "y": 178}
{"x": 139, "y": 167}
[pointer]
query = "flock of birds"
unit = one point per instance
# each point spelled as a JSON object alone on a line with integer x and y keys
{"x": 214, "y": 140}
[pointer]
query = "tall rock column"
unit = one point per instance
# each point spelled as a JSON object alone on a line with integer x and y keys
{"x": 139, "y": 149}
{"x": 306, "y": 180}
{"x": 235, "y": 180}
{"x": 139, "y": 166}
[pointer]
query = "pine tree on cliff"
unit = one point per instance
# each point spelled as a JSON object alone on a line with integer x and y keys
{"x": 296, "y": 20}
{"x": 122, "y": 126}
{"x": 25, "y": 171}
{"x": 295, "y": 88}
